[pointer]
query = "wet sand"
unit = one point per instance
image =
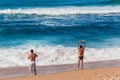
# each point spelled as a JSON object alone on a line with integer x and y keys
{"x": 97, "y": 69}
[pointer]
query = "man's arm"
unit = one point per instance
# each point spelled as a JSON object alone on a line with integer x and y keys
{"x": 84, "y": 45}
{"x": 28, "y": 56}
{"x": 36, "y": 55}
{"x": 78, "y": 45}
{"x": 83, "y": 41}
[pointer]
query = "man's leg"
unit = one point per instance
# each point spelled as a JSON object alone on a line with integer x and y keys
{"x": 34, "y": 71}
{"x": 34, "y": 68}
{"x": 78, "y": 64}
{"x": 81, "y": 63}
{"x": 31, "y": 69}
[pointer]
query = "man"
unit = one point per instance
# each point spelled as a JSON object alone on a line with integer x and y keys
{"x": 81, "y": 49}
{"x": 32, "y": 57}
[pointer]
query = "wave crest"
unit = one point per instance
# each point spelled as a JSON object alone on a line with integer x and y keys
{"x": 64, "y": 10}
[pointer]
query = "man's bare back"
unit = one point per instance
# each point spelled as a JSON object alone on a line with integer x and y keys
{"x": 32, "y": 56}
{"x": 80, "y": 51}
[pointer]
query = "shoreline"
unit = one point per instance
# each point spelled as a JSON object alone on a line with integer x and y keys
{"x": 112, "y": 73}
{"x": 21, "y": 71}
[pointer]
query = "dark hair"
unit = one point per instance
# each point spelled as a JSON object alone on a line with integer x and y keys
{"x": 81, "y": 46}
{"x": 31, "y": 50}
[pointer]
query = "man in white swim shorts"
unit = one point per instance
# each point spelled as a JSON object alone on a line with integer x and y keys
{"x": 32, "y": 57}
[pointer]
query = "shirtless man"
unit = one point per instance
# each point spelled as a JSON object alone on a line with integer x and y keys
{"x": 80, "y": 54}
{"x": 32, "y": 57}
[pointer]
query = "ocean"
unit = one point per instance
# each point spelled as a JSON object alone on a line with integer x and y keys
{"x": 53, "y": 28}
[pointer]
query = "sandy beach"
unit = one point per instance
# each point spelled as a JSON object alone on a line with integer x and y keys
{"x": 61, "y": 33}
{"x": 98, "y": 70}
{"x": 92, "y": 74}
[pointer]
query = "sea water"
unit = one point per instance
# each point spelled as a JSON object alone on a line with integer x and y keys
{"x": 53, "y": 28}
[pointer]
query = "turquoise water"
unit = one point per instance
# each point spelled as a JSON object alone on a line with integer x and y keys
{"x": 56, "y": 22}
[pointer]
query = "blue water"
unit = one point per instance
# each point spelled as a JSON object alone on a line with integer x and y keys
{"x": 40, "y": 22}
{"x": 51, "y": 3}
{"x": 54, "y": 3}
{"x": 52, "y": 28}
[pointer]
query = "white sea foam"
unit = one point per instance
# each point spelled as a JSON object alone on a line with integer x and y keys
{"x": 64, "y": 10}
{"x": 50, "y": 55}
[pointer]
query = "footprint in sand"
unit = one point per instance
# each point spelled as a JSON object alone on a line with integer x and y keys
{"x": 116, "y": 75}
{"x": 96, "y": 73}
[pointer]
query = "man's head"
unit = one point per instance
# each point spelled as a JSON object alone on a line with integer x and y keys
{"x": 81, "y": 46}
{"x": 31, "y": 50}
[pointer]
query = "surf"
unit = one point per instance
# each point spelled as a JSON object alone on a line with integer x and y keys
{"x": 64, "y": 10}
{"x": 52, "y": 55}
